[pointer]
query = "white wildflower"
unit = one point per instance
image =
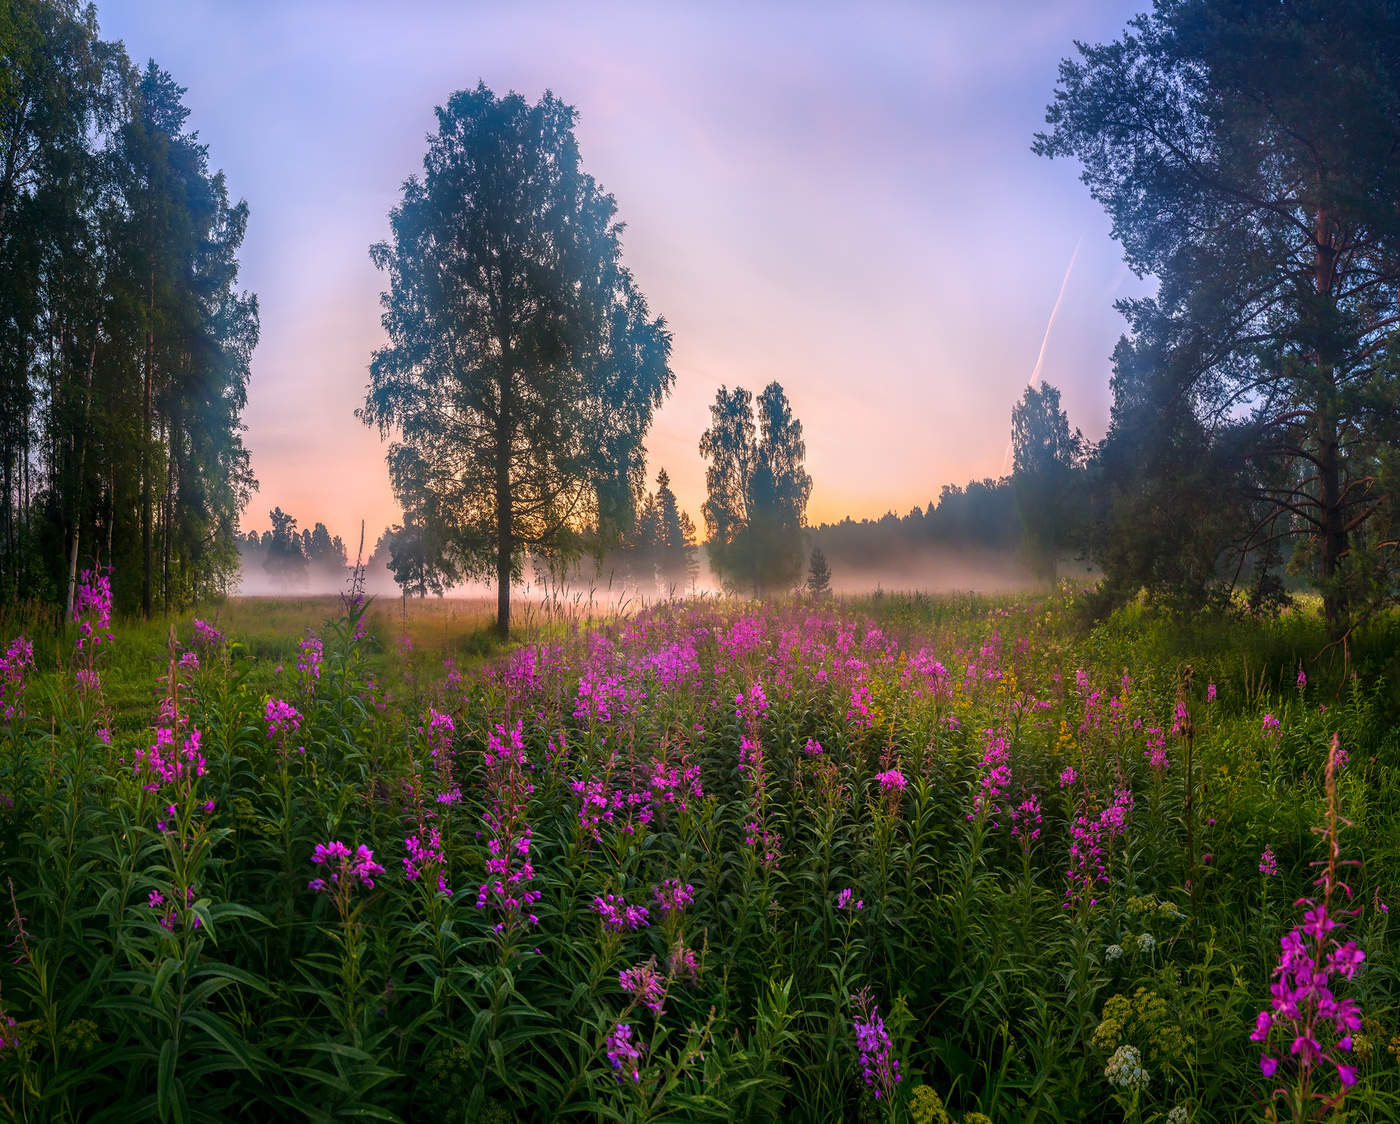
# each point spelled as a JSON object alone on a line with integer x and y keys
{"x": 1125, "y": 1070}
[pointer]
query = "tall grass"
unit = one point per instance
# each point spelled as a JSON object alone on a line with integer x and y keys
{"x": 657, "y": 867}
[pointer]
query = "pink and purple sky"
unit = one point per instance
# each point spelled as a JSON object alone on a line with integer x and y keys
{"x": 839, "y": 197}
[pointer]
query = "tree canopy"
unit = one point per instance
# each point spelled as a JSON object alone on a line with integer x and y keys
{"x": 757, "y": 490}
{"x": 125, "y": 343}
{"x": 522, "y": 366}
{"x": 1246, "y": 154}
{"x": 1046, "y": 457}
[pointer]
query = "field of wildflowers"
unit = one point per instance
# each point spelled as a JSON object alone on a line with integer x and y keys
{"x": 904, "y": 859}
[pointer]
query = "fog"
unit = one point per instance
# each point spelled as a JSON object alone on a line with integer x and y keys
{"x": 930, "y": 570}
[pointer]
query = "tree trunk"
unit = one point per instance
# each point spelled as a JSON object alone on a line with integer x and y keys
{"x": 1334, "y": 536}
{"x": 111, "y": 509}
{"x": 505, "y": 530}
{"x": 1329, "y": 470}
{"x": 146, "y": 559}
{"x": 169, "y": 520}
{"x": 25, "y": 497}
{"x": 78, "y": 486}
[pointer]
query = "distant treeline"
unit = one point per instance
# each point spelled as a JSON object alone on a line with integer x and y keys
{"x": 979, "y": 517}
{"x": 124, "y": 339}
{"x": 292, "y": 560}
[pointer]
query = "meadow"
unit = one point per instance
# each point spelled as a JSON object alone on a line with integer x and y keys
{"x": 898, "y": 858}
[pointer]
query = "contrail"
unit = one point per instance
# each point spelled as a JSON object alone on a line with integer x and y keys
{"x": 1045, "y": 339}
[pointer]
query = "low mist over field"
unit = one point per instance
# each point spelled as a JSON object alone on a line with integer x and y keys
{"x": 931, "y": 571}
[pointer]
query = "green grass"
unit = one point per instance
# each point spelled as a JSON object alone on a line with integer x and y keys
{"x": 401, "y": 1002}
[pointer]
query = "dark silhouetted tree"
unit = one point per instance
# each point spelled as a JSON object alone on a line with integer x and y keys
{"x": 124, "y": 342}
{"x": 818, "y": 574}
{"x": 1246, "y": 154}
{"x": 1046, "y": 459}
{"x": 283, "y": 555}
{"x": 757, "y": 490}
{"x": 676, "y": 545}
{"x": 522, "y": 368}
{"x": 413, "y": 550}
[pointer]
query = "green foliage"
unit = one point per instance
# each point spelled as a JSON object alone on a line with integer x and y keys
{"x": 243, "y": 992}
{"x": 1046, "y": 463}
{"x": 126, "y": 341}
{"x": 523, "y": 366}
{"x": 1244, "y": 153}
{"x": 818, "y": 574}
{"x": 757, "y": 490}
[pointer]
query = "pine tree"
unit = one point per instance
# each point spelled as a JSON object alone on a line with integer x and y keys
{"x": 818, "y": 574}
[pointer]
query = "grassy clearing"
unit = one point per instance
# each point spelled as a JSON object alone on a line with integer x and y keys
{"x": 707, "y": 861}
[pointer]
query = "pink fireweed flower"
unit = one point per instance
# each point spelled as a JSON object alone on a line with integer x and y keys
{"x": 1156, "y": 750}
{"x": 425, "y": 854}
{"x": 673, "y": 784}
{"x": 1181, "y": 719}
{"x": 1268, "y": 863}
{"x": 1303, "y": 1011}
{"x": 16, "y": 661}
{"x": 438, "y": 732}
{"x": 309, "y": 659}
{"x": 1270, "y": 727}
{"x": 645, "y": 985}
{"x": 623, "y": 1054}
{"x": 164, "y": 762}
{"x": 1302, "y": 678}
{"x": 206, "y": 635}
{"x": 995, "y": 768}
{"x": 1068, "y": 776}
{"x": 1025, "y": 821}
{"x": 757, "y": 703}
{"x": 1088, "y": 836}
{"x": 282, "y": 718}
{"x": 155, "y": 900}
{"x": 595, "y": 805}
{"x": 1210, "y": 692}
{"x": 878, "y": 1066}
{"x": 892, "y": 780}
{"x": 813, "y": 748}
{"x": 750, "y": 754}
{"x": 672, "y": 897}
{"x": 601, "y": 698}
{"x": 1115, "y": 817}
{"x": 858, "y": 713}
{"x": 92, "y": 609}
{"x": 283, "y": 721}
{"x": 618, "y": 916}
{"x": 510, "y": 869}
{"x": 681, "y": 963}
{"x": 843, "y": 901}
{"x": 345, "y": 868}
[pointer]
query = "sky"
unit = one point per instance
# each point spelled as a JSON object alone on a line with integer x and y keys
{"x": 838, "y": 197}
